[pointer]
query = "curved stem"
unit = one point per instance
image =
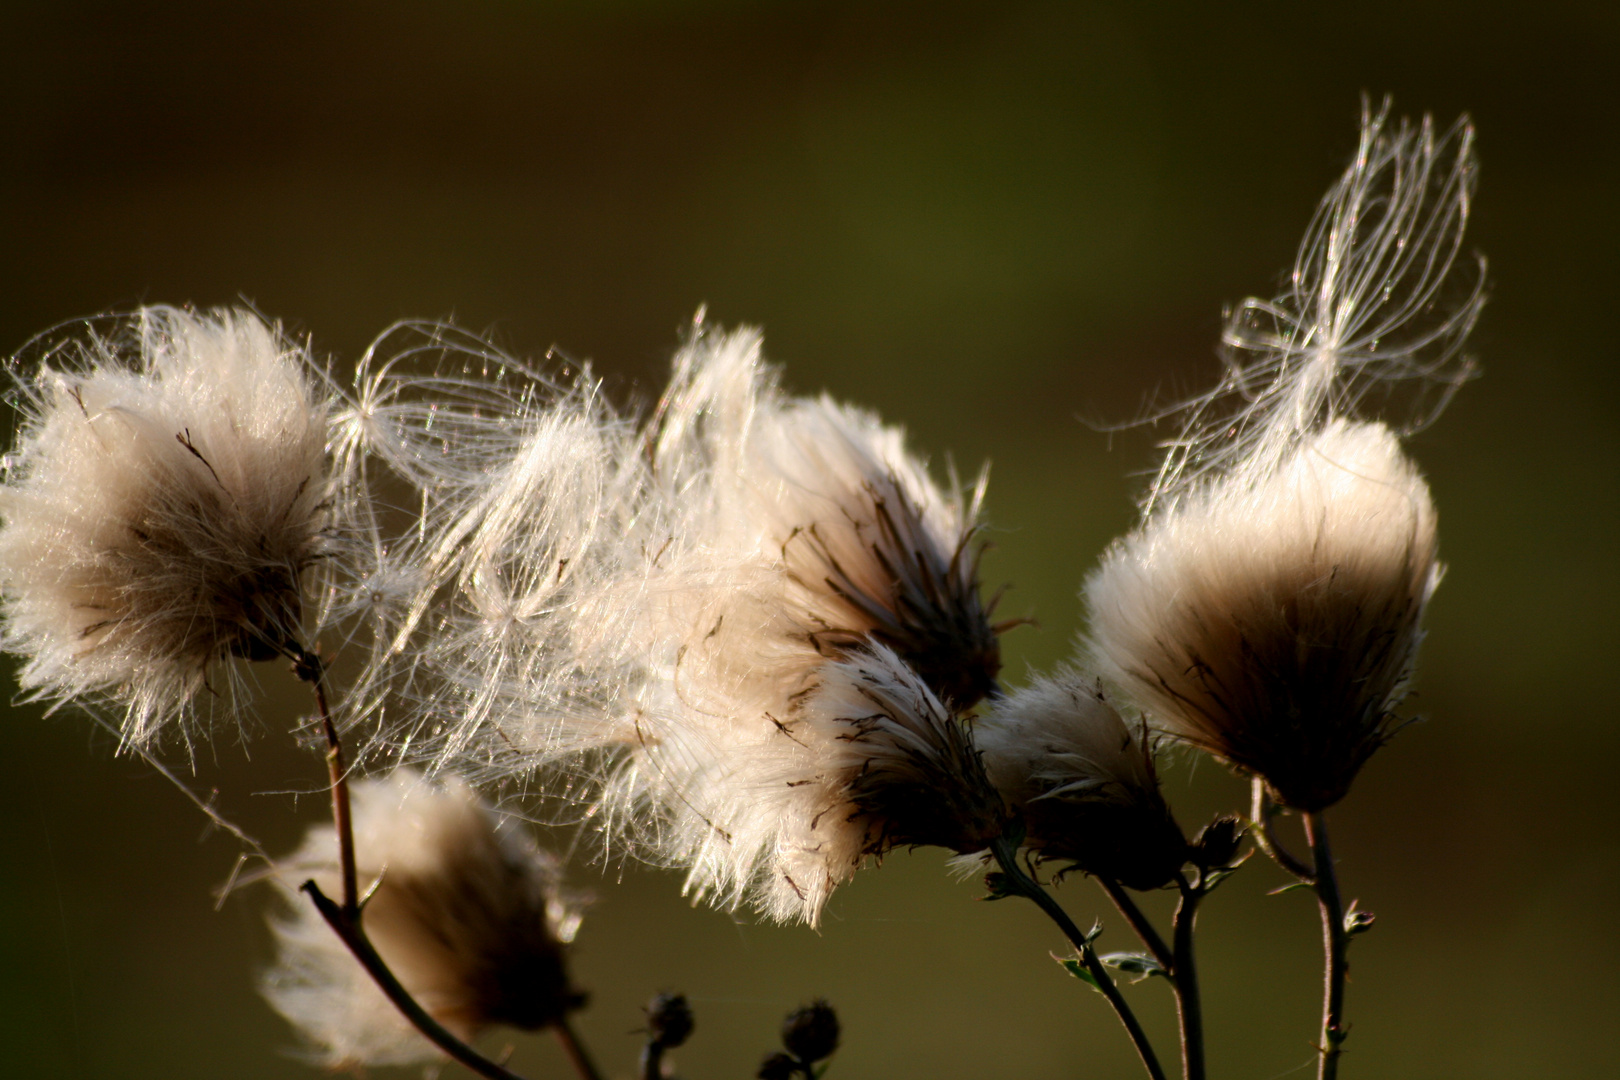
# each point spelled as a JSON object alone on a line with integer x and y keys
{"x": 1139, "y": 922}
{"x": 1261, "y": 811}
{"x": 1335, "y": 945}
{"x": 358, "y": 944}
{"x": 577, "y": 1055}
{"x": 1024, "y": 885}
{"x": 1189, "y": 1007}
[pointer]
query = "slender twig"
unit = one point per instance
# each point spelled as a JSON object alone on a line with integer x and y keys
{"x": 1335, "y": 945}
{"x": 1024, "y": 885}
{"x": 1184, "y": 969}
{"x": 310, "y": 668}
{"x": 577, "y": 1054}
{"x": 1139, "y": 922}
{"x": 358, "y": 944}
{"x": 1262, "y": 811}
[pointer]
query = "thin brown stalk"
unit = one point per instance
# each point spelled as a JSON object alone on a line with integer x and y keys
{"x": 1021, "y": 883}
{"x": 1335, "y": 946}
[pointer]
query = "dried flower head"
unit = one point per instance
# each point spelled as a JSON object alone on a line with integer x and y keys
{"x": 466, "y": 911}
{"x": 1083, "y": 781}
{"x": 828, "y": 497}
{"x": 646, "y": 611}
{"x": 1269, "y": 608}
{"x": 870, "y": 760}
{"x": 1275, "y": 623}
{"x": 163, "y": 502}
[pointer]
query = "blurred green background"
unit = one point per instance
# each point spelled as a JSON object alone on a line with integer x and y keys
{"x": 989, "y": 222}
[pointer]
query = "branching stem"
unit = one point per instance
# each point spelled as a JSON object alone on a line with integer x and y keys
{"x": 1139, "y": 922}
{"x": 344, "y": 918}
{"x": 1261, "y": 812}
{"x": 1021, "y": 883}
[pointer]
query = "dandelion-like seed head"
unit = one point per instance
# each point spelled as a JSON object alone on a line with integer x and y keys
{"x": 1275, "y": 623}
{"x": 868, "y": 545}
{"x": 468, "y": 913}
{"x": 1269, "y": 607}
{"x": 164, "y": 500}
{"x": 882, "y": 763}
{"x": 1083, "y": 781}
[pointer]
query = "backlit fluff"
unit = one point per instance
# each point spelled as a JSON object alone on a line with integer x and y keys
{"x": 162, "y": 505}
{"x": 1082, "y": 781}
{"x": 1377, "y": 309}
{"x": 801, "y": 534}
{"x": 641, "y": 610}
{"x": 871, "y": 760}
{"x": 830, "y": 498}
{"x": 1269, "y": 608}
{"x": 466, "y": 911}
{"x": 501, "y": 507}
{"x": 1275, "y": 624}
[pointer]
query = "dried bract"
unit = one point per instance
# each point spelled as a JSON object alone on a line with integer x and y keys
{"x": 1083, "y": 781}
{"x": 161, "y": 507}
{"x": 466, "y": 911}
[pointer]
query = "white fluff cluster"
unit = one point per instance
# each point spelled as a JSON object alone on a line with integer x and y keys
{"x": 1082, "y": 780}
{"x": 872, "y": 760}
{"x": 1275, "y": 623}
{"x": 466, "y": 911}
{"x": 1269, "y": 608}
{"x": 647, "y": 608}
{"x": 164, "y": 500}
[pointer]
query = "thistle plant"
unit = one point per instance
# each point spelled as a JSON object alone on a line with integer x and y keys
{"x": 736, "y": 633}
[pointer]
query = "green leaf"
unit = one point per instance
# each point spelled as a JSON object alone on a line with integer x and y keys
{"x": 1134, "y": 964}
{"x": 1290, "y": 887}
{"x": 1078, "y": 970}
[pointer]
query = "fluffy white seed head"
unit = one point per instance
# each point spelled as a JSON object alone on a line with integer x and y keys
{"x": 1274, "y": 621}
{"x": 826, "y": 496}
{"x": 869, "y": 760}
{"x": 466, "y": 911}
{"x": 633, "y": 613}
{"x": 1082, "y": 780}
{"x": 1373, "y": 320}
{"x": 162, "y": 505}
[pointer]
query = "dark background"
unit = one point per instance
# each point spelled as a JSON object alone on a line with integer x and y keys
{"x": 987, "y": 222}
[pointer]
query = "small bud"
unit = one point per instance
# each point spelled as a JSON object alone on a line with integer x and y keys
{"x": 778, "y": 1066}
{"x": 811, "y": 1033}
{"x": 1358, "y": 922}
{"x": 669, "y": 1020}
{"x": 1217, "y": 844}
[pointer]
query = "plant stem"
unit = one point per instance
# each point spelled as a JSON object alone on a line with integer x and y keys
{"x": 1335, "y": 945}
{"x": 355, "y": 938}
{"x": 313, "y": 671}
{"x": 1184, "y": 972}
{"x": 1139, "y": 922}
{"x": 577, "y": 1054}
{"x": 1027, "y": 886}
{"x": 1260, "y": 812}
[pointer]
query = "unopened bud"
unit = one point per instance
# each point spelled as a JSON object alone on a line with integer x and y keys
{"x": 1217, "y": 844}
{"x": 669, "y": 1020}
{"x": 811, "y": 1033}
